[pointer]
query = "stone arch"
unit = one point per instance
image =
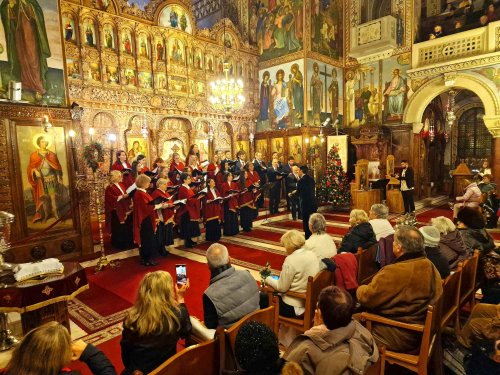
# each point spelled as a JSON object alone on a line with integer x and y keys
{"x": 483, "y": 88}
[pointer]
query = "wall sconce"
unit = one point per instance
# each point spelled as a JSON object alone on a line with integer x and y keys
{"x": 91, "y": 133}
{"x": 72, "y": 134}
{"x": 306, "y": 141}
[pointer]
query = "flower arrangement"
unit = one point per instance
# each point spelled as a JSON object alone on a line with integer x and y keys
{"x": 93, "y": 154}
{"x": 265, "y": 272}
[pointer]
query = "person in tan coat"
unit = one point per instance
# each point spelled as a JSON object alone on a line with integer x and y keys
{"x": 402, "y": 291}
{"x": 337, "y": 344}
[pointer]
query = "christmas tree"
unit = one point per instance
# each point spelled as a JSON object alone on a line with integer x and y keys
{"x": 334, "y": 187}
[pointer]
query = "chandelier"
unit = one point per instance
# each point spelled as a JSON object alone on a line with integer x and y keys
{"x": 227, "y": 93}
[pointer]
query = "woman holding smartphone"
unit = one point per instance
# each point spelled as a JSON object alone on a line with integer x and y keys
{"x": 212, "y": 213}
{"x": 154, "y": 324}
{"x": 230, "y": 189}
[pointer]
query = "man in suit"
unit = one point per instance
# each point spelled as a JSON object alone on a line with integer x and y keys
{"x": 287, "y": 168}
{"x": 275, "y": 191}
{"x": 241, "y": 158}
{"x": 290, "y": 186}
{"x": 274, "y": 155}
{"x": 261, "y": 169}
{"x": 306, "y": 191}
{"x": 407, "y": 186}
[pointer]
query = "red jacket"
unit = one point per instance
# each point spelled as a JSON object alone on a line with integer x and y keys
{"x": 346, "y": 273}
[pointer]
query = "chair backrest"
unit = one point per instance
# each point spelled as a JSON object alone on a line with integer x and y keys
{"x": 314, "y": 287}
{"x": 451, "y": 297}
{"x": 367, "y": 264}
{"x": 200, "y": 359}
{"x": 431, "y": 332}
{"x": 227, "y": 355}
{"x": 468, "y": 282}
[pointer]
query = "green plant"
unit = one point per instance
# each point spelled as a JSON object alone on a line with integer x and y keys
{"x": 93, "y": 154}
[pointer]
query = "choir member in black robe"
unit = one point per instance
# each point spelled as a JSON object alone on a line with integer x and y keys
{"x": 231, "y": 226}
{"x": 212, "y": 212}
{"x": 165, "y": 218}
{"x": 117, "y": 211}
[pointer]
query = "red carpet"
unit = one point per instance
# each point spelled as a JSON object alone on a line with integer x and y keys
{"x": 247, "y": 256}
{"x": 261, "y": 234}
{"x": 444, "y": 210}
{"x": 289, "y": 224}
{"x": 336, "y": 217}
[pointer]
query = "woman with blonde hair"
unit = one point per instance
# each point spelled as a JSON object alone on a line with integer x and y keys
{"x": 297, "y": 267}
{"x": 451, "y": 243}
{"x": 47, "y": 350}
{"x": 361, "y": 234}
{"x": 117, "y": 212}
{"x": 154, "y": 324}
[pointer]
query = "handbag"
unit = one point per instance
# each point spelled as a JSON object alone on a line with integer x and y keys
{"x": 491, "y": 265}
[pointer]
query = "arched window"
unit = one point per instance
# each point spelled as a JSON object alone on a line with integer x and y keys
{"x": 474, "y": 139}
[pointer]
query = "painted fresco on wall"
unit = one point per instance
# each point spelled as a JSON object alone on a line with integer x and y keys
{"x": 243, "y": 146}
{"x": 129, "y": 77}
{"x": 175, "y": 17}
{"x": 176, "y": 51}
{"x": 94, "y": 74}
{"x": 327, "y": 28}
{"x": 73, "y": 69}
{"x": 126, "y": 40}
{"x": 45, "y": 174}
{"x": 492, "y": 73}
{"x": 453, "y": 16}
{"x": 109, "y": 37}
{"x": 325, "y": 90}
{"x": 26, "y": 55}
{"x": 178, "y": 84}
{"x": 160, "y": 49}
{"x": 161, "y": 81}
{"x": 89, "y": 35}
{"x": 281, "y": 96}
{"x": 69, "y": 28}
{"x": 396, "y": 87}
{"x": 279, "y": 27}
{"x": 277, "y": 145}
{"x": 145, "y": 80}
{"x": 143, "y": 46}
{"x": 111, "y": 75}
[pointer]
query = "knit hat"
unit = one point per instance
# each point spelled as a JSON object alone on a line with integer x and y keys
{"x": 431, "y": 236}
{"x": 471, "y": 218}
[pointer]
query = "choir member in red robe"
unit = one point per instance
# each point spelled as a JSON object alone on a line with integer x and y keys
{"x": 139, "y": 166}
{"x": 188, "y": 215}
{"x": 162, "y": 172}
{"x": 117, "y": 212}
{"x": 214, "y": 167}
{"x": 164, "y": 218}
{"x": 231, "y": 226}
{"x": 176, "y": 168}
{"x": 254, "y": 177}
{"x": 246, "y": 202}
{"x": 212, "y": 212}
{"x": 144, "y": 218}
{"x": 194, "y": 164}
{"x": 123, "y": 166}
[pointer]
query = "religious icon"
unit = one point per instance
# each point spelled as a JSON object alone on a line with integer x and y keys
{"x": 174, "y": 19}
{"x": 111, "y": 75}
{"x": 210, "y": 63}
{"x": 145, "y": 80}
{"x": 136, "y": 146}
{"x": 279, "y": 94}
{"x": 89, "y": 34}
{"x": 109, "y": 40}
{"x": 161, "y": 81}
{"x": 94, "y": 73}
{"x": 396, "y": 94}
{"x": 198, "y": 59}
{"x": 295, "y": 148}
{"x": 227, "y": 40}
{"x": 73, "y": 69}
{"x": 127, "y": 42}
{"x": 297, "y": 91}
{"x": 333, "y": 95}
{"x": 143, "y": 47}
{"x": 69, "y": 29}
{"x": 129, "y": 77}
{"x": 159, "y": 50}
{"x": 316, "y": 90}
{"x": 176, "y": 54}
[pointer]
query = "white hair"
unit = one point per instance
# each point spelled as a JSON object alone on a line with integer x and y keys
{"x": 317, "y": 223}
{"x": 443, "y": 224}
{"x": 217, "y": 255}
{"x": 380, "y": 210}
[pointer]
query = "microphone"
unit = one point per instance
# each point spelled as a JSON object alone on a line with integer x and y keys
{"x": 336, "y": 122}
{"x": 327, "y": 121}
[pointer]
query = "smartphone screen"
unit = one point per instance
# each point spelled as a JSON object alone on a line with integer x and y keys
{"x": 275, "y": 277}
{"x": 180, "y": 271}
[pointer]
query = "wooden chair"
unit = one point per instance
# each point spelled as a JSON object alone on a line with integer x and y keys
{"x": 314, "y": 287}
{"x": 200, "y": 359}
{"x": 378, "y": 368}
{"x": 367, "y": 264}
{"x": 228, "y": 360}
{"x": 468, "y": 285}
{"x": 417, "y": 363}
{"x": 451, "y": 296}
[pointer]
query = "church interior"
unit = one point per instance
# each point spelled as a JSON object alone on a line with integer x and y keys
{"x": 250, "y": 187}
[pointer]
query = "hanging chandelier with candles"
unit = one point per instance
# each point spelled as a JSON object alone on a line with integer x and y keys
{"x": 227, "y": 92}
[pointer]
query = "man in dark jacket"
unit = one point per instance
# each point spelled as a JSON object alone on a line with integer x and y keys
{"x": 407, "y": 186}
{"x": 306, "y": 191}
{"x": 261, "y": 169}
{"x": 290, "y": 186}
{"x": 231, "y": 294}
{"x": 274, "y": 177}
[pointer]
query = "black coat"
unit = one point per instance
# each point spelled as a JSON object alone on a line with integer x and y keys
{"x": 147, "y": 353}
{"x": 261, "y": 170}
{"x": 286, "y": 168}
{"x": 290, "y": 183}
{"x": 306, "y": 191}
{"x": 438, "y": 259}
{"x": 408, "y": 178}
{"x": 362, "y": 235}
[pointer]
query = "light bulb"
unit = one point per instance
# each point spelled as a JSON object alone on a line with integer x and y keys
{"x": 112, "y": 137}
{"x": 72, "y": 133}
{"x": 91, "y": 131}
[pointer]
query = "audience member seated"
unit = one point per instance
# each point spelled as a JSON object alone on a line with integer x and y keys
{"x": 320, "y": 242}
{"x": 257, "y": 352}
{"x": 231, "y": 294}
{"x": 154, "y": 324}
{"x": 486, "y": 186}
{"x": 297, "y": 267}
{"x": 48, "y": 350}
{"x": 402, "y": 291}
{"x": 360, "y": 235}
{"x": 432, "y": 250}
{"x": 378, "y": 220}
{"x": 471, "y": 225}
{"x": 472, "y": 198}
{"x": 336, "y": 344}
{"x": 451, "y": 244}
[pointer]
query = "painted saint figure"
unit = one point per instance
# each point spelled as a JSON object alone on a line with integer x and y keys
{"x": 265, "y": 94}
{"x": 333, "y": 95}
{"x": 297, "y": 88}
{"x": 45, "y": 176}
{"x": 159, "y": 51}
{"x": 316, "y": 94}
{"x": 27, "y": 43}
{"x": 395, "y": 92}
{"x": 68, "y": 32}
{"x": 108, "y": 39}
{"x": 280, "y": 99}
